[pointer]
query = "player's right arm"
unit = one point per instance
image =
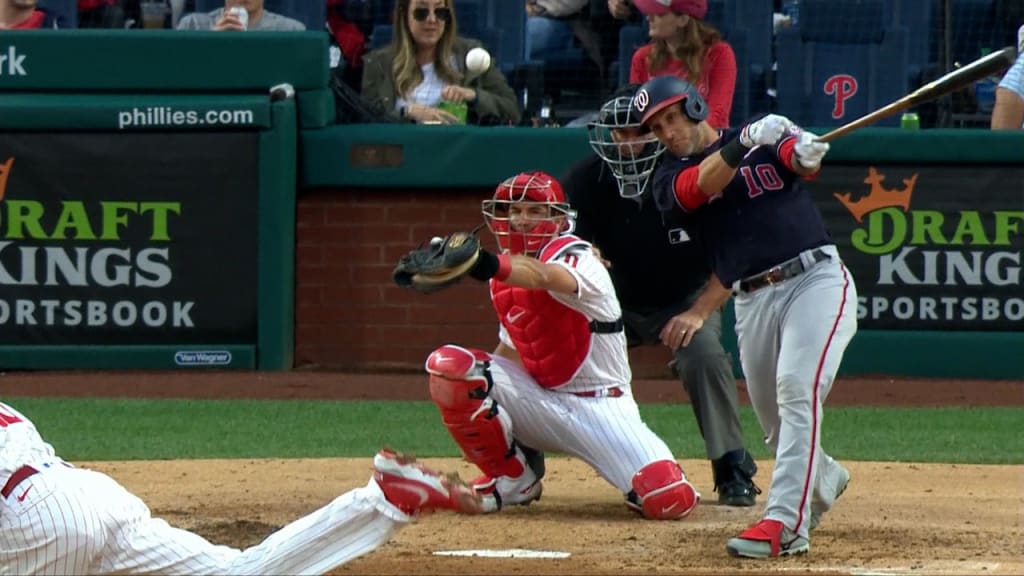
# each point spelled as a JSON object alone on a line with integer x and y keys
{"x": 694, "y": 185}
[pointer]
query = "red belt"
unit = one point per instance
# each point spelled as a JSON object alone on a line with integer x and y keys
{"x": 614, "y": 392}
{"x": 19, "y": 476}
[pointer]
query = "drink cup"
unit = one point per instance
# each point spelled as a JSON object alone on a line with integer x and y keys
{"x": 242, "y": 15}
{"x": 154, "y": 14}
{"x": 910, "y": 121}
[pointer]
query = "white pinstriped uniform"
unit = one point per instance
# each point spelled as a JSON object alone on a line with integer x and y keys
{"x": 607, "y": 433}
{"x": 67, "y": 520}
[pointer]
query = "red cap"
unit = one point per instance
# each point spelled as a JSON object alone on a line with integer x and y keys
{"x": 694, "y": 8}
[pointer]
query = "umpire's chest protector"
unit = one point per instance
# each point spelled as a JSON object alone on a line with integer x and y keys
{"x": 552, "y": 339}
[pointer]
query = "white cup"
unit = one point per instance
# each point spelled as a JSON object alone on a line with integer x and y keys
{"x": 154, "y": 14}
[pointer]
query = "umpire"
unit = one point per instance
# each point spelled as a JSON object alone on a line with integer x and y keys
{"x": 659, "y": 273}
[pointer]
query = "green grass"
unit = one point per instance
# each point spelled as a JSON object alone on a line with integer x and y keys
{"x": 133, "y": 429}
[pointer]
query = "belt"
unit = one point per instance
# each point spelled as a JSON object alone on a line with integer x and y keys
{"x": 782, "y": 272}
{"x": 614, "y": 392}
{"x": 19, "y": 476}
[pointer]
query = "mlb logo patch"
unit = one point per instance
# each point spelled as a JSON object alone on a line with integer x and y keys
{"x": 678, "y": 236}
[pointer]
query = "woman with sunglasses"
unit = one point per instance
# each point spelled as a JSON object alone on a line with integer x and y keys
{"x": 425, "y": 65}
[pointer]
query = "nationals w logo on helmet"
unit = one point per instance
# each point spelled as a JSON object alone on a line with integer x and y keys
{"x": 641, "y": 100}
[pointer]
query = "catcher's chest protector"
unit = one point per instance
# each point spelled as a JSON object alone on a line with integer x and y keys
{"x": 553, "y": 340}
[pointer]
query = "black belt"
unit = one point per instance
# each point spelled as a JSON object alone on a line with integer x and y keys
{"x": 19, "y": 476}
{"x": 599, "y": 327}
{"x": 784, "y": 271}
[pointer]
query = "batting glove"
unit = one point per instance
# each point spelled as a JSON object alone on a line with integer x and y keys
{"x": 765, "y": 132}
{"x": 810, "y": 152}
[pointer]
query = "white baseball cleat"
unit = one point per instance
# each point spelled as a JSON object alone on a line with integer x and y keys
{"x": 504, "y": 491}
{"x": 414, "y": 488}
{"x": 842, "y": 481}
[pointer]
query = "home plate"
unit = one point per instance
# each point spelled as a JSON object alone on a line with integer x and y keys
{"x": 513, "y": 553}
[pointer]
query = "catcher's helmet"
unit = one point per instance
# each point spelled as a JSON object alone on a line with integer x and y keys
{"x": 541, "y": 215}
{"x": 624, "y": 143}
{"x": 662, "y": 91}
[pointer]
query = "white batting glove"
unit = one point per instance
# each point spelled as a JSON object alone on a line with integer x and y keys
{"x": 765, "y": 132}
{"x": 810, "y": 152}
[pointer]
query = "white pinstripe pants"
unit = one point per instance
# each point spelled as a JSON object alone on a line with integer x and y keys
{"x": 77, "y": 521}
{"x": 606, "y": 433}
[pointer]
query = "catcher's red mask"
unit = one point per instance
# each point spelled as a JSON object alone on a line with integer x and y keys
{"x": 527, "y": 211}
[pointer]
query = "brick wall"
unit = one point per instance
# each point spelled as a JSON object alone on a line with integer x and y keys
{"x": 349, "y": 315}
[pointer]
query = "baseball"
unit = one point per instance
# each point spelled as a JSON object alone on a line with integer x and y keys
{"x": 478, "y": 60}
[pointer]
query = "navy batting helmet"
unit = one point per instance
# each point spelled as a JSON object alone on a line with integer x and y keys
{"x": 663, "y": 91}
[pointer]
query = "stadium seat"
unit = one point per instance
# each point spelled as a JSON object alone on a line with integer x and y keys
{"x": 631, "y": 37}
{"x": 381, "y": 36}
{"x": 748, "y": 30}
{"x": 747, "y": 26}
{"x": 382, "y": 11}
{"x": 64, "y": 11}
{"x": 842, "y": 48}
{"x": 509, "y": 17}
{"x": 310, "y": 12}
{"x": 976, "y": 29}
{"x": 921, "y": 19}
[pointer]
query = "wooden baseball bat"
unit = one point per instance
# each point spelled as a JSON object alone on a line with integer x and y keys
{"x": 955, "y": 80}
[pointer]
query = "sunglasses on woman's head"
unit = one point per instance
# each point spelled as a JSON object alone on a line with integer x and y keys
{"x": 442, "y": 13}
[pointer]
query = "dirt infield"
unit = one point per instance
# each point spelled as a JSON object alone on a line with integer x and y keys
{"x": 896, "y": 518}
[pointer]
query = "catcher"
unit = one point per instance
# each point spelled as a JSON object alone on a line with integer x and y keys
{"x": 559, "y": 378}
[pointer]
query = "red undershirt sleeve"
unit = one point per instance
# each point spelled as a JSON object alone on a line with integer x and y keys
{"x": 787, "y": 154}
{"x": 688, "y": 194}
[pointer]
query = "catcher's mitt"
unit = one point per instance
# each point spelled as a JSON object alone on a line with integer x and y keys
{"x": 437, "y": 266}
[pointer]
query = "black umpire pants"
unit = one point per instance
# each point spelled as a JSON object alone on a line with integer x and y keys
{"x": 705, "y": 370}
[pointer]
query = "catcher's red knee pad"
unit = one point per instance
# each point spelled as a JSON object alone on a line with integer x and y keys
{"x": 663, "y": 491}
{"x": 460, "y": 385}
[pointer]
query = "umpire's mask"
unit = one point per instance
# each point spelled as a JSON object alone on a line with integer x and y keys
{"x": 625, "y": 145}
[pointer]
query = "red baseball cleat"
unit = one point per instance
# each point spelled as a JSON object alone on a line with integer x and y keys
{"x": 767, "y": 539}
{"x": 414, "y": 488}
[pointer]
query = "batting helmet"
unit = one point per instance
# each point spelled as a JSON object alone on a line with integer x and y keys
{"x": 625, "y": 145}
{"x": 663, "y": 91}
{"x": 527, "y": 232}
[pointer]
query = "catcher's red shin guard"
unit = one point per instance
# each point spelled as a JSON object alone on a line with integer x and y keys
{"x": 460, "y": 385}
{"x": 663, "y": 491}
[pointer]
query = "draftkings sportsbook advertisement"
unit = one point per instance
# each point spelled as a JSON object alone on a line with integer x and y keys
{"x": 128, "y": 239}
{"x": 933, "y": 248}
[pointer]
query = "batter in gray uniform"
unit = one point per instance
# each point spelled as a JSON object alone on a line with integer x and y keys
{"x": 660, "y": 273}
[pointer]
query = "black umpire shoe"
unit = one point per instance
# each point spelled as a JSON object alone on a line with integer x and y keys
{"x": 734, "y": 479}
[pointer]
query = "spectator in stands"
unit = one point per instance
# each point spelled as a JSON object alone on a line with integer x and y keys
{"x": 1008, "y": 113}
{"x": 23, "y": 15}
{"x": 426, "y": 64}
{"x": 554, "y": 27}
{"x": 549, "y": 27}
{"x": 221, "y": 19}
{"x": 100, "y": 14}
{"x": 623, "y": 10}
{"x": 684, "y": 45}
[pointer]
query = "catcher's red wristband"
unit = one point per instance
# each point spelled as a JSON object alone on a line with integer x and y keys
{"x": 504, "y": 267}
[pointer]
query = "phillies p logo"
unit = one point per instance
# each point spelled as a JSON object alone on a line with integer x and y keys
{"x": 842, "y": 87}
